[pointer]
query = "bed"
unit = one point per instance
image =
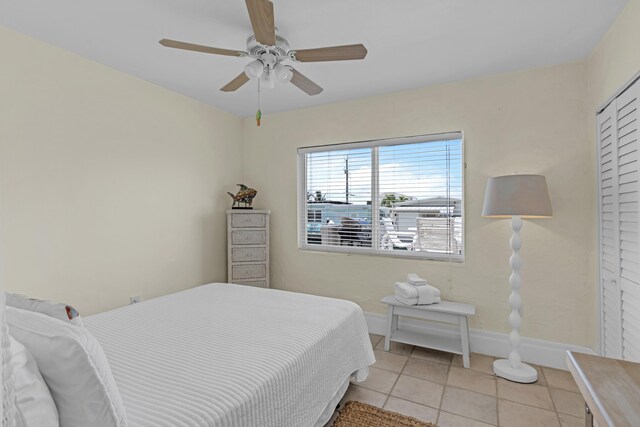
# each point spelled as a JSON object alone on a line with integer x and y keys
{"x": 230, "y": 355}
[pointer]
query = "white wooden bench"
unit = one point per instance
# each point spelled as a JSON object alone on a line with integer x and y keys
{"x": 445, "y": 311}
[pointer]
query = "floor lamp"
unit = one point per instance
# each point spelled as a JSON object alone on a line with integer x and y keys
{"x": 516, "y": 197}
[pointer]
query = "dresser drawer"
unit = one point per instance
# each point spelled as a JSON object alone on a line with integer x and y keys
{"x": 250, "y": 220}
{"x": 248, "y": 271}
{"x": 248, "y": 254}
{"x": 248, "y": 237}
{"x": 256, "y": 283}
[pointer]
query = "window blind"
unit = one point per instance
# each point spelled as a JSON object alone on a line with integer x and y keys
{"x": 399, "y": 197}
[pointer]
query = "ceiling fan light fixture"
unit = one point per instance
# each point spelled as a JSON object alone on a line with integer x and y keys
{"x": 254, "y": 69}
{"x": 268, "y": 79}
{"x": 283, "y": 73}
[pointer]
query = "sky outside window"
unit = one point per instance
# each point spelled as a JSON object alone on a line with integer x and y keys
{"x": 417, "y": 171}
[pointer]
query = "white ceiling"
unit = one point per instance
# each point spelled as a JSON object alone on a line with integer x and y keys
{"x": 411, "y": 43}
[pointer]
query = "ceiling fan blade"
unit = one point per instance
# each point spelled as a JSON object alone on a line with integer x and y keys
{"x": 236, "y": 83}
{"x": 199, "y": 48}
{"x": 303, "y": 83}
{"x": 334, "y": 53}
{"x": 262, "y": 21}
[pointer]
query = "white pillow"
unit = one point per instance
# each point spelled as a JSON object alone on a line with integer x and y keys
{"x": 73, "y": 366}
{"x": 33, "y": 401}
{"x": 57, "y": 310}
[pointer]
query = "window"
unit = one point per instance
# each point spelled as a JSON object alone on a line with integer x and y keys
{"x": 399, "y": 197}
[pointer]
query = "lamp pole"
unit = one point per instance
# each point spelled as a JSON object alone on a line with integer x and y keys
{"x": 512, "y": 368}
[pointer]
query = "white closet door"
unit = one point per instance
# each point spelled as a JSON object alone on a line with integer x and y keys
{"x": 611, "y": 315}
{"x": 627, "y": 109}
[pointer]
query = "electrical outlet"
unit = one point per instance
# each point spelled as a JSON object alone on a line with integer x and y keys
{"x": 134, "y": 299}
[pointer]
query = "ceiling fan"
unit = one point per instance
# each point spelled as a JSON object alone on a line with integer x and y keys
{"x": 270, "y": 50}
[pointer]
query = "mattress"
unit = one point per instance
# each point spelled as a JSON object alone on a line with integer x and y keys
{"x": 231, "y": 355}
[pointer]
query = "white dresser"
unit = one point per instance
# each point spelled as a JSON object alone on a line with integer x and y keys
{"x": 248, "y": 247}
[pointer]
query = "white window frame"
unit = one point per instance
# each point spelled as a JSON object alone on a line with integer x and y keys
{"x": 375, "y": 204}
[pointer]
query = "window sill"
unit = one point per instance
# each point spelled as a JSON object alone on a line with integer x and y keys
{"x": 351, "y": 250}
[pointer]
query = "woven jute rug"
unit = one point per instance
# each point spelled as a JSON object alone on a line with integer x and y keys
{"x": 358, "y": 414}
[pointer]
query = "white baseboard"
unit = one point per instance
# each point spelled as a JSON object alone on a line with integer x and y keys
{"x": 539, "y": 352}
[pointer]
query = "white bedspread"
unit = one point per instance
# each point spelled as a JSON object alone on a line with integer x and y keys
{"x": 230, "y": 355}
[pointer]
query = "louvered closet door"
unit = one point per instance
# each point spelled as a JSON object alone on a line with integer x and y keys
{"x": 609, "y": 234}
{"x": 629, "y": 218}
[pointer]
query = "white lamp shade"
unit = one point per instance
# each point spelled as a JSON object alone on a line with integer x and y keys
{"x": 268, "y": 79}
{"x": 522, "y": 195}
{"x": 283, "y": 73}
{"x": 254, "y": 69}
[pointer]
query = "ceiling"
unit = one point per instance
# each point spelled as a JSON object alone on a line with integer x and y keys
{"x": 411, "y": 43}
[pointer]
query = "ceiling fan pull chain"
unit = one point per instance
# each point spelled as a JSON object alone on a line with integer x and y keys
{"x": 259, "y": 112}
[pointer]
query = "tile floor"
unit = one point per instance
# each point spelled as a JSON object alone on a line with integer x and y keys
{"x": 433, "y": 386}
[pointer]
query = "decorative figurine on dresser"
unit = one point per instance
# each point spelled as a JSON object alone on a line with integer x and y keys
{"x": 244, "y": 195}
{"x": 248, "y": 247}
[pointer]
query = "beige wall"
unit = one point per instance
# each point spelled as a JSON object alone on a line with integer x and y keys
{"x": 525, "y": 122}
{"x": 110, "y": 186}
{"x": 616, "y": 58}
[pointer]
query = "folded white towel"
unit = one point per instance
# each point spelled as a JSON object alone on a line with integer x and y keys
{"x": 416, "y": 280}
{"x": 405, "y": 290}
{"x": 412, "y": 295}
{"x": 427, "y": 294}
